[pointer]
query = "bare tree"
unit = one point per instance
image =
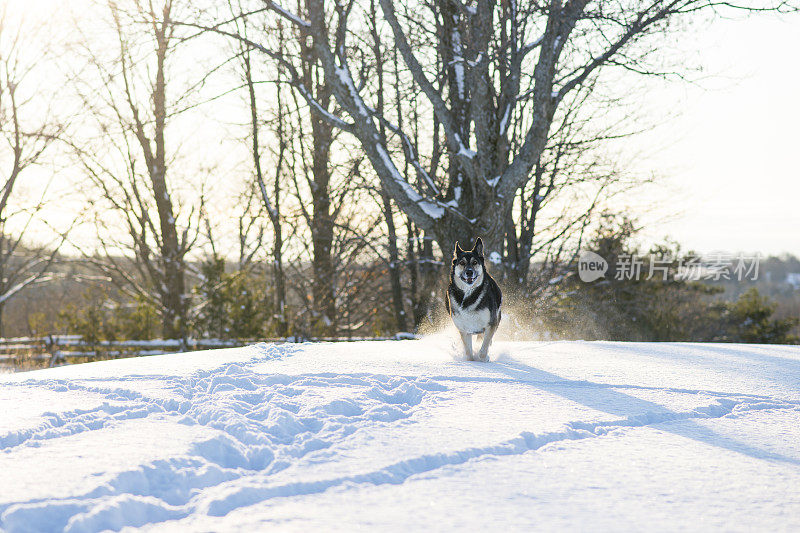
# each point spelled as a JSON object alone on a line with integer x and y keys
{"x": 271, "y": 199}
{"x": 573, "y": 180}
{"x": 131, "y": 105}
{"x": 386, "y": 201}
{"x": 28, "y": 128}
{"x": 322, "y": 218}
{"x": 309, "y": 139}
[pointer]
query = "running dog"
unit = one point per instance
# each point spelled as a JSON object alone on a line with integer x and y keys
{"x": 473, "y": 299}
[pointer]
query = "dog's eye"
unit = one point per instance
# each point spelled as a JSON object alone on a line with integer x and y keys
{"x": 474, "y": 262}
{"x": 462, "y": 262}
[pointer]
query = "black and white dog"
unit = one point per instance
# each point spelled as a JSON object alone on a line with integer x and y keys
{"x": 473, "y": 299}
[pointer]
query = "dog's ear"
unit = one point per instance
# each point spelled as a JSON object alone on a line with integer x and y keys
{"x": 458, "y": 250}
{"x": 479, "y": 247}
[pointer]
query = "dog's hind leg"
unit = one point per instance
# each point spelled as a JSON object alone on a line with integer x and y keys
{"x": 483, "y": 353}
{"x": 466, "y": 338}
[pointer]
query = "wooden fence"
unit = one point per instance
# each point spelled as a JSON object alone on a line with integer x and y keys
{"x": 54, "y": 350}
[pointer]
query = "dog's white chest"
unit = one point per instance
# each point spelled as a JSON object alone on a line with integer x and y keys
{"x": 469, "y": 321}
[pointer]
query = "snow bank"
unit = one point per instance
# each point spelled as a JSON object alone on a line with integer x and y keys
{"x": 405, "y": 434}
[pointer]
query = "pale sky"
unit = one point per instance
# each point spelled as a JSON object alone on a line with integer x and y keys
{"x": 731, "y": 157}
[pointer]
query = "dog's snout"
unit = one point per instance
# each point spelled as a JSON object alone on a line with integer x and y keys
{"x": 469, "y": 272}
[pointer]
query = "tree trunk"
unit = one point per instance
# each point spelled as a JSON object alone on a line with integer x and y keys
{"x": 322, "y": 288}
{"x": 171, "y": 281}
{"x": 4, "y": 258}
{"x": 413, "y": 267}
{"x": 489, "y": 226}
{"x": 322, "y": 241}
{"x": 174, "y": 316}
{"x": 280, "y": 284}
{"x": 394, "y": 267}
{"x": 432, "y": 276}
{"x": 273, "y": 208}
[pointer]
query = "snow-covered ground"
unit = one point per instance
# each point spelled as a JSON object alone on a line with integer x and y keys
{"x": 403, "y": 435}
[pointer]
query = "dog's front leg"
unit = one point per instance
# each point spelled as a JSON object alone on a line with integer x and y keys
{"x": 483, "y": 353}
{"x": 466, "y": 338}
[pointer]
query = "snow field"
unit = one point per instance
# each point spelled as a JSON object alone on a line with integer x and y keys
{"x": 405, "y": 434}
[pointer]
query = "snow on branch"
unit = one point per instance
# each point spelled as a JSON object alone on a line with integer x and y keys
{"x": 319, "y": 109}
{"x": 409, "y": 152}
{"x": 340, "y": 79}
{"x": 531, "y": 46}
{"x": 288, "y": 15}
{"x": 439, "y": 106}
{"x": 467, "y": 10}
{"x": 354, "y": 100}
{"x": 431, "y": 208}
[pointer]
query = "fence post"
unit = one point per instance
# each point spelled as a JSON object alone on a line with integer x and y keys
{"x": 51, "y": 346}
